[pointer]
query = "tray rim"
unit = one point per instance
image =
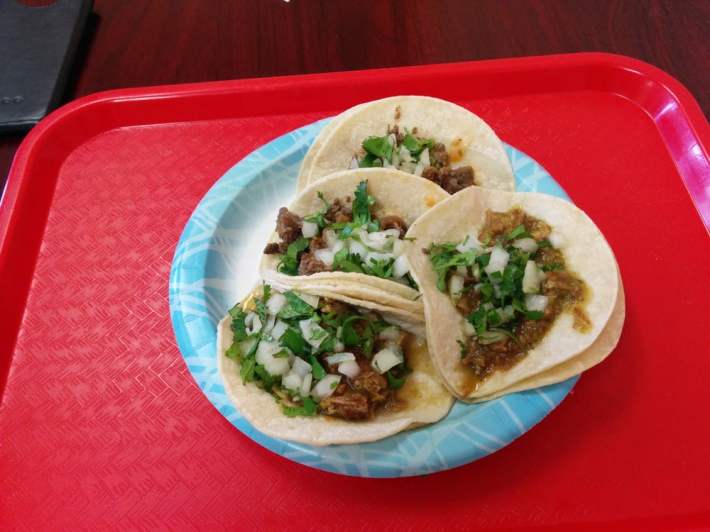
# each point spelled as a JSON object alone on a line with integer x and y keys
{"x": 59, "y": 124}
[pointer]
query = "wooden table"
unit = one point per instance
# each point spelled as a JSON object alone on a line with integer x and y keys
{"x": 150, "y": 42}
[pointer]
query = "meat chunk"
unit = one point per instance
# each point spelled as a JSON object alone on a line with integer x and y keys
{"x": 564, "y": 285}
{"x": 348, "y": 405}
{"x": 438, "y": 155}
{"x": 272, "y": 248}
{"x": 372, "y": 383}
{"x": 339, "y": 212}
{"x": 317, "y": 242}
{"x": 288, "y": 225}
{"x": 309, "y": 264}
{"x": 468, "y": 302}
{"x": 454, "y": 179}
{"x": 394, "y": 222}
{"x": 500, "y": 224}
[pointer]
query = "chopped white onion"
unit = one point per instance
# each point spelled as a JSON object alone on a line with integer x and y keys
{"x": 376, "y": 256}
{"x": 378, "y": 240}
{"x": 301, "y": 367}
{"x": 395, "y": 159}
{"x": 309, "y": 229}
{"x": 279, "y": 329}
{"x": 386, "y": 359}
{"x": 270, "y": 322}
{"x": 349, "y": 368}
{"x": 310, "y": 299}
{"x": 391, "y": 333}
{"x": 325, "y": 256}
{"x": 528, "y": 245}
{"x": 401, "y": 266}
{"x": 275, "y": 303}
{"x": 246, "y": 345}
{"x": 292, "y": 382}
{"x": 313, "y": 333}
{"x": 273, "y": 365}
{"x": 468, "y": 329}
{"x": 338, "y": 346}
{"x": 330, "y": 237}
{"x": 536, "y": 302}
{"x": 424, "y": 158}
{"x": 419, "y": 168}
{"x": 337, "y": 358}
{"x": 356, "y": 248}
{"x": 253, "y": 323}
{"x": 326, "y": 386}
{"x": 399, "y": 247}
{"x": 354, "y": 163}
{"x": 306, "y": 384}
{"x": 556, "y": 239}
{"x": 532, "y": 278}
{"x": 471, "y": 242}
{"x": 338, "y": 246}
{"x": 456, "y": 286}
{"x": 499, "y": 260}
{"x": 404, "y": 154}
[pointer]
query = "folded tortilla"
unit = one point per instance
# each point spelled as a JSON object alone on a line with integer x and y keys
{"x": 462, "y": 132}
{"x": 396, "y": 193}
{"x": 422, "y": 400}
{"x": 563, "y": 351}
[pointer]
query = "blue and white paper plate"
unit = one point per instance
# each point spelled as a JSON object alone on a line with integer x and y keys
{"x": 215, "y": 265}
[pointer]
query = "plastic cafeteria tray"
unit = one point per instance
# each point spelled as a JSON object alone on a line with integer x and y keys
{"x": 102, "y": 427}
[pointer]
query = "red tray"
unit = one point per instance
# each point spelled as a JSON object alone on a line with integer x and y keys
{"x": 101, "y": 425}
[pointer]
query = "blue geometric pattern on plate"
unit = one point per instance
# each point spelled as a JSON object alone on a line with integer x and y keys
{"x": 215, "y": 265}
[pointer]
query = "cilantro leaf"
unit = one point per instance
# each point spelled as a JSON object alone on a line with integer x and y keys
{"x": 246, "y": 371}
{"x": 370, "y": 161}
{"x": 238, "y": 325}
{"x": 289, "y": 261}
{"x": 264, "y": 376}
{"x": 394, "y": 382}
{"x": 295, "y": 307}
{"x": 416, "y": 145}
{"x": 317, "y": 368}
{"x": 518, "y": 232}
{"x": 309, "y": 408}
{"x": 319, "y": 217}
{"x": 293, "y": 340}
{"x": 347, "y": 262}
{"x": 361, "y": 205}
{"x": 379, "y": 147}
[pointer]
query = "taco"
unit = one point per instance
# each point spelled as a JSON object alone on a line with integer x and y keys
{"x": 419, "y": 135}
{"x": 346, "y": 233}
{"x": 319, "y": 371}
{"x": 527, "y": 283}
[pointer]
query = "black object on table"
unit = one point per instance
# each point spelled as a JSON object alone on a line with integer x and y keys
{"x": 37, "y": 45}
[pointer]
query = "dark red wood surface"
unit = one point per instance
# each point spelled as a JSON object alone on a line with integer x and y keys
{"x": 150, "y": 42}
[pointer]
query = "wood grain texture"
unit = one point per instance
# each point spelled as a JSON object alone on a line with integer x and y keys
{"x": 149, "y": 42}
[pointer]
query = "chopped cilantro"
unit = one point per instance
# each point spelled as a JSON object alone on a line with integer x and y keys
{"x": 551, "y": 267}
{"x": 361, "y": 205}
{"x": 246, "y": 371}
{"x": 309, "y": 408}
{"x": 293, "y": 340}
{"x": 289, "y": 261}
{"x": 295, "y": 307}
{"x": 317, "y": 368}
{"x": 238, "y": 325}
{"x": 416, "y": 145}
{"x": 518, "y": 232}
{"x": 394, "y": 382}
{"x": 264, "y": 376}
{"x": 379, "y": 147}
